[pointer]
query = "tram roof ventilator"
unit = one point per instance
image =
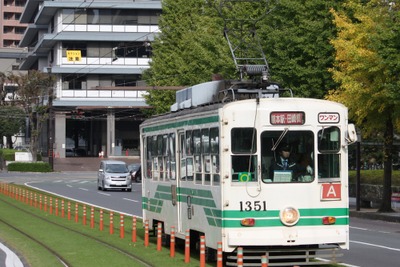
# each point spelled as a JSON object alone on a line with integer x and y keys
{"x": 222, "y": 91}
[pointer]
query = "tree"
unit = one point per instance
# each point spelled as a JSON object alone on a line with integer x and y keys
{"x": 33, "y": 90}
{"x": 12, "y": 121}
{"x": 296, "y": 38}
{"x": 367, "y": 67}
{"x": 191, "y": 47}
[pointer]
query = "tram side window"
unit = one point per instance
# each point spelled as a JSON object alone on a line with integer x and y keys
{"x": 244, "y": 159}
{"x": 287, "y": 156}
{"x": 149, "y": 161}
{"x": 329, "y": 156}
{"x": 214, "y": 150}
{"x": 198, "y": 170}
{"x": 154, "y": 159}
{"x": 187, "y": 161}
{"x": 171, "y": 160}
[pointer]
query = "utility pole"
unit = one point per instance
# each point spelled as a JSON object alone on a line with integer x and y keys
{"x": 50, "y": 133}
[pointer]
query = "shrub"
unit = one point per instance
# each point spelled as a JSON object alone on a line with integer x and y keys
{"x": 29, "y": 167}
{"x": 374, "y": 177}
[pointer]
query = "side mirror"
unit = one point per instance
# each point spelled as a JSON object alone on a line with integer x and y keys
{"x": 101, "y": 170}
{"x": 351, "y": 134}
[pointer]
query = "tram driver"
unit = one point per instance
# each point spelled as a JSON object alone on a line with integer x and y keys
{"x": 284, "y": 169}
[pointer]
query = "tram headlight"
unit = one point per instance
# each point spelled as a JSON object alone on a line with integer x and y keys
{"x": 289, "y": 216}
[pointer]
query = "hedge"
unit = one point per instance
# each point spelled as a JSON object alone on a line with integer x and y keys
{"x": 29, "y": 167}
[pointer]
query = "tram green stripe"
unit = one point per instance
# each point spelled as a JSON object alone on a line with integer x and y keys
{"x": 181, "y": 124}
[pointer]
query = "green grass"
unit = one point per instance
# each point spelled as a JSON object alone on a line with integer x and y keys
{"x": 78, "y": 250}
{"x": 374, "y": 177}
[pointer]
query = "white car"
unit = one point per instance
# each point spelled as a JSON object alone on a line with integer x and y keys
{"x": 113, "y": 174}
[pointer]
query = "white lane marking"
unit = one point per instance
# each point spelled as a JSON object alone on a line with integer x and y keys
{"x": 80, "y": 201}
{"x": 69, "y": 185}
{"x": 84, "y": 189}
{"x": 130, "y": 200}
{"x": 11, "y": 258}
{"x": 105, "y": 194}
{"x": 374, "y": 245}
{"x": 358, "y": 228}
{"x": 341, "y": 264}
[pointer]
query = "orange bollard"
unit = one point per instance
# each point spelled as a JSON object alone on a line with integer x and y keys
{"x": 84, "y": 215}
{"x": 62, "y": 209}
{"x": 134, "y": 229}
{"x": 51, "y": 205}
{"x": 69, "y": 210}
{"x": 76, "y": 212}
{"x": 92, "y": 217}
{"x": 26, "y": 196}
{"x": 172, "y": 243}
{"x": 35, "y": 200}
{"x": 40, "y": 202}
{"x": 45, "y": 203}
{"x": 146, "y": 233}
{"x": 56, "y": 206}
{"x": 264, "y": 261}
{"x": 159, "y": 236}
{"x": 187, "y": 246}
{"x": 239, "y": 257}
{"x": 219, "y": 254}
{"x": 111, "y": 223}
{"x": 121, "y": 226}
{"x": 202, "y": 251}
{"x": 101, "y": 224}
{"x": 31, "y": 200}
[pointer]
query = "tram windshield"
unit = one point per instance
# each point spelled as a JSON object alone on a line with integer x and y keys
{"x": 287, "y": 156}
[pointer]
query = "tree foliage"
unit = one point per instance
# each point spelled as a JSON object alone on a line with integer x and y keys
{"x": 191, "y": 47}
{"x": 367, "y": 67}
{"x": 33, "y": 93}
{"x": 12, "y": 121}
{"x": 296, "y": 38}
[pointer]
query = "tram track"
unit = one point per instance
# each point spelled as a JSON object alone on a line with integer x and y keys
{"x": 61, "y": 258}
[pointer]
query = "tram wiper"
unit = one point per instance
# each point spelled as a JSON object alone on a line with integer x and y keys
{"x": 279, "y": 139}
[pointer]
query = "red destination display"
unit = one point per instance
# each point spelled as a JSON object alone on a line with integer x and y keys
{"x": 287, "y": 118}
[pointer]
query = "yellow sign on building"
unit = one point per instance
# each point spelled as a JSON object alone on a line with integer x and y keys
{"x": 74, "y": 55}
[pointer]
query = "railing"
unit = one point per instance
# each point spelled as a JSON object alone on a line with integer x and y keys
{"x": 94, "y": 93}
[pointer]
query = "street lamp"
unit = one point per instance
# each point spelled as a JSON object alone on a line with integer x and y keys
{"x": 50, "y": 133}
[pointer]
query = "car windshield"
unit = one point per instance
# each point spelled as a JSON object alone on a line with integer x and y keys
{"x": 116, "y": 168}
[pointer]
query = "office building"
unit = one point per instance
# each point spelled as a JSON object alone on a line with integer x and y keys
{"x": 97, "y": 51}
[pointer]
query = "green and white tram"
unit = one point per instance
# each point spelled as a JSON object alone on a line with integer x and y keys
{"x": 207, "y": 167}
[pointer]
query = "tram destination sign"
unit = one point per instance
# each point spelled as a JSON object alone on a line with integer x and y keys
{"x": 287, "y": 118}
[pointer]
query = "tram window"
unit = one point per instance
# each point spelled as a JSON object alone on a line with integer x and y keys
{"x": 148, "y": 149}
{"x": 243, "y": 168}
{"x": 205, "y": 141}
{"x": 172, "y": 157}
{"x": 329, "y": 147}
{"x": 329, "y": 139}
{"x": 188, "y": 144}
{"x": 243, "y": 140}
{"x": 215, "y": 169}
{"x": 196, "y": 138}
{"x": 287, "y": 156}
{"x": 189, "y": 168}
{"x": 214, "y": 143}
{"x": 328, "y": 166}
{"x": 198, "y": 169}
{"x": 159, "y": 145}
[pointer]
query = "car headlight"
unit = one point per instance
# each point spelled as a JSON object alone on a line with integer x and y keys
{"x": 289, "y": 216}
